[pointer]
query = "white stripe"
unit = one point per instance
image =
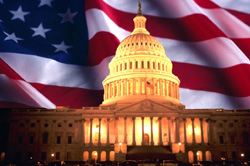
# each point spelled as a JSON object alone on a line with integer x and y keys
{"x": 159, "y": 8}
{"x": 239, "y": 5}
{"x": 21, "y": 92}
{"x": 194, "y": 99}
{"x": 227, "y": 23}
{"x": 98, "y": 21}
{"x": 50, "y": 72}
{"x": 205, "y": 53}
{"x": 218, "y": 52}
{"x": 13, "y": 91}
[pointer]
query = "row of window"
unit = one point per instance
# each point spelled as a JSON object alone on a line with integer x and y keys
{"x": 139, "y": 43}
{"x": 45, "y": 125}
{"x": 243, "y": 125}
{"x": 232, "y": 139}
{"x": 139, "y": 65}
{"x": 45, "y": 139}
{"x": 44, "y": 156}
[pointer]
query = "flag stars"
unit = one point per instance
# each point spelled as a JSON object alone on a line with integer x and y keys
{"x": 61, "y": 47}
{"x": 68, "y": 16}
{"x": 40, "y": 31}
{"x": 11, "y": 37}
{"x": 19, "y": 14}
{"x": 45, "y": 2}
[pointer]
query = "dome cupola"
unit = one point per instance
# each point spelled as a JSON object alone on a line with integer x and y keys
{"x": 140, "y": 70}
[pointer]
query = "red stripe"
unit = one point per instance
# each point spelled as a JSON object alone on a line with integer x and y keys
{"x": 233, "y": 81}
{"x": 102, "y": 45}
{"x": 244, "y": 17}
{"x": 230, "y": 81}
{"x": 103, "y": 51}
{"x": 194, "y": 27}
{"x": 6, "y": 104}
{"x": 243, "y": 45}
{"x": 206, "y": 4}
{"x": 8, "y": 71}
{"x": 73, "y": 97}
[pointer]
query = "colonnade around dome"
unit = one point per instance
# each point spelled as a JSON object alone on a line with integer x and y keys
{"x": 161, "y": 88}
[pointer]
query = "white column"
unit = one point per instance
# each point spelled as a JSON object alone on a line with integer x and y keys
{"x": 208, "y": 131}
{"x": 116, "y": 130}
{"x": 169, "y": 131}
{"x": 119, "y": 88}
{"x": 83, "y": 131}
{"x": 193, "y": 130}
{"x": 108, "y": 131}
{"x": 133, "y": 118}
{"x": 99, "y": 135}
{"x": 160, "y": 132}
{"x": 142, "y": 127}
{"x": 125, "y": 130}
{"x": 177, "y": 129}
{"x": 167, "y": 88}
{"x": 160, "y": 81}
{"x": 90, "y": 141}
{"x": 152, "y": 136}
{"x": 201, "y": 126}
{"x": 185, "y": 131}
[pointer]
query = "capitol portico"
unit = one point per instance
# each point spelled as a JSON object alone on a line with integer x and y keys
{"x": 141, "y": 117}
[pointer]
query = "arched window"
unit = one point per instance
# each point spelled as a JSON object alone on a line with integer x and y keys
{"x": 94, "y": 155}
{"x": 112, "y": 156}
{"x": 136, "y": 64}
{"x": 190, "y": 157}
{"x": 148, "y": 65}
{"x": 85, "y": 155}
{"x": 199, "y": 156}
{"x": 103, "y": 156}
{"x": 142, "y": 64}
{"x": 208, "y": 156}
{"x": 2, "y": 157}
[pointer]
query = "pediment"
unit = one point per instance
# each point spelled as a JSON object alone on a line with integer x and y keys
{"x": 148, "y": 105}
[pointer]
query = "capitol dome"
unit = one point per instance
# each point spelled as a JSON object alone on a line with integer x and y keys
{"x": 140, "y": 70}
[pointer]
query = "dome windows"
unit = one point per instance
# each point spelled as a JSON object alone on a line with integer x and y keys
{"x": 142, "y": 64}
{"x": 130, "y": 65}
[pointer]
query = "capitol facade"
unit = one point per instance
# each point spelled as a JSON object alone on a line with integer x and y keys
{"x": 140, "y": 118}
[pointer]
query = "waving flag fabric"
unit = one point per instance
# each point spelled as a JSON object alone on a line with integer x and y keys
{"x": 56, "y": 52}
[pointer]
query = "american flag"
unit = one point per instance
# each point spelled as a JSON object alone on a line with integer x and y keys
{"x": 56, "y": 52}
